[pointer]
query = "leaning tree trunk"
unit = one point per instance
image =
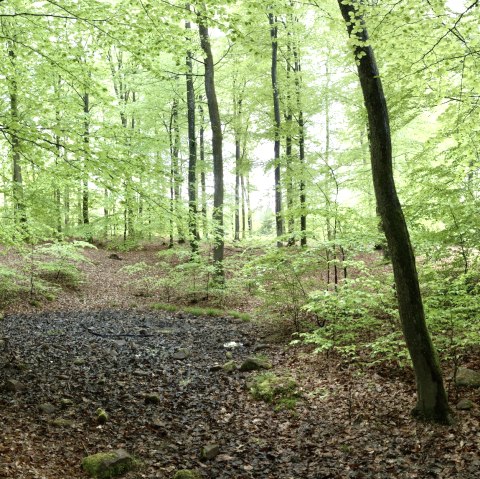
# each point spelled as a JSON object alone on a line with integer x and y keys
{"x": 217, "y": 153}
{"x": 432, "y": 402}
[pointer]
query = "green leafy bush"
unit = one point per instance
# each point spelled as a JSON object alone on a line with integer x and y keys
{"x": 283, "y": 279}
{"x": 354, "y": 316}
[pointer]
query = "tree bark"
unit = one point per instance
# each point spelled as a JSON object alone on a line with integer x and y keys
{"x": 192, "y": 150}
{"x": 203, "y": 179}
{"x": 432, "y": 403}
{"x": 86, "y": 143}
{"x": 301, "y": 148}
{"x": 217, "y": 151}
{"x": 17, "y": 189}
{"x": 277, "y": 124}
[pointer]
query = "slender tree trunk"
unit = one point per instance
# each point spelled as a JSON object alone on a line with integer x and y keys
{"x": 237, "y": 201}
{"x": 242, "y": 187}
{"x": 217, "y": 151}
{"x": 66, "y": 206}
{"x": 17, "y": 190}
{"x": 432, "y": 403}
{"x": 249, "y": 207}
{"x": 86, "y": 143}
{"x": 277, "y": 120}
{"x": 192, "y": 151}
{"x": 289, "y": 148}
{"x": 238, "y": 160}
{"x": 203, "y": 179}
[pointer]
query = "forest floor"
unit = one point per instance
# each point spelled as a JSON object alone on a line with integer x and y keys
{"x": 102, "y": 346}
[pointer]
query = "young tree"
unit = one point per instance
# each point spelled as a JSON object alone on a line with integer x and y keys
{"x": 432, "y": 403}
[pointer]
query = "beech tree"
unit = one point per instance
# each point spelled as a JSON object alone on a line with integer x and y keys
{"x": 432, "y": 403}
{"x": 217, "y": 146}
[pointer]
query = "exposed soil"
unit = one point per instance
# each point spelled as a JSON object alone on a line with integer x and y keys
{"x": 103, "y": 347}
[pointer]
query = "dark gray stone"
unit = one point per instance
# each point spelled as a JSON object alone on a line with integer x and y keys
{"x": 210, "y": 451}
{"x": 467, "y": 378}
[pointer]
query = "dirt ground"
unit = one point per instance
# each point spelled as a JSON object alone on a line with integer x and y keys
{"x": 102, "y": 346}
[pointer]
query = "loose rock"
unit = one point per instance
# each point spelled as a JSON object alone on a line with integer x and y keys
{"x": 14, "y": 386}
{"x": 255, "y": 364}
{"x": 186, "y": 474}
{"x": 230, "y": 367}
{"x": 102, "y": 416}
{"x": 181, "y": 354}
{"x": 210, "y": 451}
{"x": 467, "y": 378}
{"x": 465, "y": 405}
{"x": 152, "y": 398}
{"x": 105, "y": 465}
{"x": 47, "y": 408}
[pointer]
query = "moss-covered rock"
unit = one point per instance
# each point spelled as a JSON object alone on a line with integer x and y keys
{"x": 467, "y": 378}
{"x": 230, "y": 367}
{"x": 106, "y": 465}
{"x": 102, "y": 416}
{"x": 152, "y": 398}
{"x": 278, "y": 390}
{"x": 255, "y": 364}
{"x": 210, "y": 451}
{"x": 61, "y": 422}
{"x": 186, "y": 474}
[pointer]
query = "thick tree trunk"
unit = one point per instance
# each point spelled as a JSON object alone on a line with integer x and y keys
{"x": 192, "y": 151}
{"x": 432, "y": 403}
{"x": 277, "y": 123}
{"x": 217, "y": 151}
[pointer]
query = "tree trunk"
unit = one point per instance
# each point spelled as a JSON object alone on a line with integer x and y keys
{"x": 217, "y": 151}
{"x": 192, "y": 151}
{"x": 86, "y": 143}
{"x": 277, "y": 120}
{"x": 238, "y": 160}
{"x": 203, "y": 179}
{"x": 432, "y": 403}
{"x": 17, "y": 190}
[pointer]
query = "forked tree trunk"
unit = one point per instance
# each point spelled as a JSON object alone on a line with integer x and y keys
{"x": 432, "y": 403}
{"x": 217, "y": 152}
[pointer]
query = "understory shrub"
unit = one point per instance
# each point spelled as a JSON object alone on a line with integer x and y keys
{"x": 354, "y": 316}
{"x": 282, "y": 279}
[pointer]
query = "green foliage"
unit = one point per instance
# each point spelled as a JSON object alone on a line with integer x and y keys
{"x": 452, "y": 306}
{"x": 283, "y": 278}
{"x": 56, "y": 263}
{"x": 12, "y": 284}
{"x": 354, "y": 315}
